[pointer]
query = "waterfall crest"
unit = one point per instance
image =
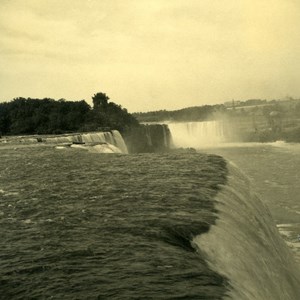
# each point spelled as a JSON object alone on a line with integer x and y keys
{"x": 245, "y": 246}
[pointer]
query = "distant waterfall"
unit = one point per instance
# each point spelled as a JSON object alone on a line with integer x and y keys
{"x": 99, "y": 137}
{"x": 103, "y": 142}
{"x": 119, "y": 142}
{"x": 113, "y": 138}
{"x": 197, "y": 134}
{"x": 166, "y": 139}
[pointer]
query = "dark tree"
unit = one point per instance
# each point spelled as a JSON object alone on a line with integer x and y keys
{"x": 109, "y": 114}
{"x": 100, "y": 101}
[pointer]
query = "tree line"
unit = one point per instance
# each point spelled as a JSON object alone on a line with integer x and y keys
{"x": 196, "y": 113}
{"x": 231, "y": 109}
{"x": 48, "y": 116}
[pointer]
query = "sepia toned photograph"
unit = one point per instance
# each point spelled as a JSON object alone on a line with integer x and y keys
{"x": 149, "y": 149}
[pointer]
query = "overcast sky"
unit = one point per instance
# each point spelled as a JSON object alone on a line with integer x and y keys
{"x": 150, "y": 54}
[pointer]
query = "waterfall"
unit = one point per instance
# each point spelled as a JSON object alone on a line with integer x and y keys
{"x": 245, "y": 246}
{"x": 197, "y": 134}
{"x": 166, "y": 142}
{"x": 148, "y": 136}
{"x": 119, "y": 142}
{"x": 103, "y": 142}
{"x": 96, "y": 137}
{"x": 114, "y": 139}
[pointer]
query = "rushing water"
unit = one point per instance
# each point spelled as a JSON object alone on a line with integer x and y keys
{"x": 274, "y": 173}
{"x": 197, "y": 134}
{"x": 273, "y": 169}
{"x": 81, "y": 225}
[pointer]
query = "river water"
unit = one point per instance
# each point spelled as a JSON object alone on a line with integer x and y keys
{"x": 81, "y": 225}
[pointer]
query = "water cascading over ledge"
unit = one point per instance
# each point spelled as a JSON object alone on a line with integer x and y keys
{"x": 140, "y": 139}
{"x": 101, "y": 142}
{"x": 197, "y": 134}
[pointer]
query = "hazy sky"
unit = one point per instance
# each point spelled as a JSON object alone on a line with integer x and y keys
{"x": 150, "y": 54}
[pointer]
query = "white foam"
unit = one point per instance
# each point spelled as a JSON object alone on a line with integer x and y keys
{"x": 98, "y": 148}
{"x": 78, "y": 146}
{"x": 291, "y": 147}
{"x": 105, "y": 148}
{"x": 287, "y": 225}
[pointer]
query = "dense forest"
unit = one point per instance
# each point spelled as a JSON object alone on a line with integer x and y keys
{"x": 48, "y": 116}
